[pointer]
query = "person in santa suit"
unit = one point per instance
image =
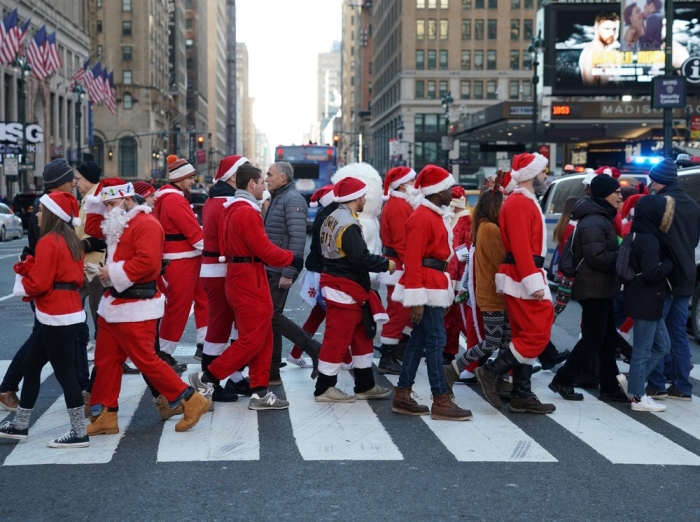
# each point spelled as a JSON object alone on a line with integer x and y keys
{"x": 352, "y": 308}
{"x": 426, "y": 288}
{"x": 400, "y": 202}
{"x": 130, "y": 308}
{"x": 243, "y": 243}
{"x": 146, "y": 191}
{"x": 213, "y": 276}
{"x": 183, "y": 250}
{"x": 523, "y": 281}
{"x": 52, "y": 279}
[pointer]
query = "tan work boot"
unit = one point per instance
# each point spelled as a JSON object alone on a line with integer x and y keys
{"x": 104, "y": 424}
{"x": 86, "y": 404}
{"x": 163, "y": 407}
{"x": 404, "y": 403}
{"x": 445, "y": 408}
{"x": 193, "y": 409}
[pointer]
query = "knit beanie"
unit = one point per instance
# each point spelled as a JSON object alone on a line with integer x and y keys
{"x": 603, "y": 186}
{"x": 57, "y": 173}
{"x": 91, "y": 171}
{"x": 664, "y": 172}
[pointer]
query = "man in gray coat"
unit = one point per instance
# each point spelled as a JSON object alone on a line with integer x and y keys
{"x": 285, "y": 225}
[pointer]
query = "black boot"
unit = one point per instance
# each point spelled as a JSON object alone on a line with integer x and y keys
{"x": 312, "y": 349}
{"x": 524, "y": 401}
{"x": 489, "y": 374}
{"x": 550, "y": 357}
{"x": 199, "y": 352}
{"x": 388, "y": 363}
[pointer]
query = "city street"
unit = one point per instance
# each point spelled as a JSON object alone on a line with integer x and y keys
{"x": 589, "y": 460}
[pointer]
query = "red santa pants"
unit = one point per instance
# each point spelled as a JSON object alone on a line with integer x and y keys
{"x": 344, "y": 328}
{"x": 399, "y": 320}
{"x": 220, "y": 316}
{"x": 530, "y": 325}
{"x": 116, "y": 342}
{"x": 454, "y": 325}
{"x": 183, "y": 284}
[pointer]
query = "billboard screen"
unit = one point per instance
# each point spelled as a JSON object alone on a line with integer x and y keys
{"x": 615, "y": 48}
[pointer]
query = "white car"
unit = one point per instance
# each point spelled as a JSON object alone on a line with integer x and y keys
{"x": 10, "y": 225}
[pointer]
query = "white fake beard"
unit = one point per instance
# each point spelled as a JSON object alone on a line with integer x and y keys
{"x": 114, "y": 224}
{"x": 413, "y": 196}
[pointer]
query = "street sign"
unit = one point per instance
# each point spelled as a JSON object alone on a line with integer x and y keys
{"x": 459, "y": 161}
{"x": 11, "y": 166}
{"x": 201, "y": 156}
{"x": 668, "y": 92}
{"x": 691, "y": 69}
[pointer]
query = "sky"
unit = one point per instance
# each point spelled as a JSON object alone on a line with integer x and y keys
{"x": 284, "y": 39}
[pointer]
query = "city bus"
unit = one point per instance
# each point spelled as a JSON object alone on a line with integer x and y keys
{"x": 314, "y": 165}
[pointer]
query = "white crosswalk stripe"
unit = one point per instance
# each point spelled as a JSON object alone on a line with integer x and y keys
{"x": 4, "y": 365}
{"x": 357, "y": 432}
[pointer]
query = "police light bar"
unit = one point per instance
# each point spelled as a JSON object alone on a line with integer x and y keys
{"x": 644, "y": 160}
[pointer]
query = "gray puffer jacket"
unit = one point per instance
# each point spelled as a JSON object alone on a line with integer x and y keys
{"x": 285, "y": 224}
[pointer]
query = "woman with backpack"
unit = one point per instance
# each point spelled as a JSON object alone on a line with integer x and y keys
{"x": 645, "y": 295}
{"x": 563, "y": 229}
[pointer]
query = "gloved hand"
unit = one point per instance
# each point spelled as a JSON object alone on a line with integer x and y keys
{"x": 26, "y": 251}
{"x": 298, "y": 263}
{"x": 93, "y": 244}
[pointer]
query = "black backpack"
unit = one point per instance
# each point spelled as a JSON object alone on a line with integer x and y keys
{"x": 623, "y": 265}
{"x": 566, "y": 261}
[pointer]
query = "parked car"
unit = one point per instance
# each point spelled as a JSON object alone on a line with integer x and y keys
{"x": 197, "y": 198}
{"x": 23, "y": 206}
{"x": 10, "y": 225}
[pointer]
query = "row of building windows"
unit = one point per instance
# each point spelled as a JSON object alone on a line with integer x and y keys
{"x": 478, "y": 4}
{"x": 472, "y": 90}
{"x": 491, "y": 29}
{"x": 126, "y": 5}
{"x": 439, "y": 60}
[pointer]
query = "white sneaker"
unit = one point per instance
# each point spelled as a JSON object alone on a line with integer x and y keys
{"x": 333, "y": 394}
{"x": 347, "y": 366}
{"x": 622, "y": 380}
{"x": 646, "y": 403}
{"x": 300, "y": 362}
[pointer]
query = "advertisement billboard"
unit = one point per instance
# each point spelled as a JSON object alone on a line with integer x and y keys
{"x": 615, "y": 48}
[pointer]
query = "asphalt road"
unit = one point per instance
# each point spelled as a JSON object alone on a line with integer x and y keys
{"x": 587, "y": 461}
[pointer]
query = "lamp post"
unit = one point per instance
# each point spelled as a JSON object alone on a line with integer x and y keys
{"x": 535, "y": 48}
{"x": 21, "y": 65}
{"x": 399, "y": 133}
{"x": 79, "y": 92}
{"x": 446, "y": 102}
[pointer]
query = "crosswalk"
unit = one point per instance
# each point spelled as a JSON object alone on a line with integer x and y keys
{"x": 363, "y": 431}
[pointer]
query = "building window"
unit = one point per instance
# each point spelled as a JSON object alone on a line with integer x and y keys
{"x": 491, "y": 60}
{"x": 420, "y": 89}
{"x": 466, "y": 4}
{"x": 420, "y": 4}
{"x": 127, "y": 101}
{"x": 478, "y": 90}
{"x": 515, "y": 29}
{"x": 126, "y": 6}
{"x": 514, "y": 90}
{"x": 528, "y": 4}
{"x": 431, "y": 89}
{"x": 527, "y": 61}
{"x": 465, "y": 89}
{"x": 128, "y": 156}
{"x": 420, "y": 59}
{"x": 443, "y": 88}
{"x": 431, "y": 123}
{"x": 444, "y": 24}
{"x": 432, "y": 29}
{"x": 491, "y": 89}
{"x": 189, "y": 23}
{"x": 479, "y": 60}
{"x": 466, "y": 60}
{"x": 126, "y": 77}
{"x": 478, "y": 29}
{"x": 444, "y": 4}
{"x": 493, "y": 4}
{"x": 466, "y": 29}
{"x": 443, "y": 60}
{"x": 431, "y": 60}
{"x": 527, "y": 30}
{"x": 514, "y": 60}
{"x": 515, "y": 4}
{"x": 126, "y": 28}
{"x": 99, "y": 26}
{"x": 418, "y": 124}
{"x": 190, "y": 64}
{"x": 491, "y": 29}
{"x": 420, "y": 29}
{"x": 98, "y": 150}
{"x": 100, "y": 50}
{"x": 99, "y": 3}
{"x": 188, "y": 4}
{"x": 479, "y": 4}
{"x": 432, "y": 4}
{"x": 126, "y": 53}
{"x": 527, "y": 90}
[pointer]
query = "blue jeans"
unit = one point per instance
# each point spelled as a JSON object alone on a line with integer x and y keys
{"x": 428, "y": 334}
{"x": 676, "y": 314}
{"x": 651, "y": 343}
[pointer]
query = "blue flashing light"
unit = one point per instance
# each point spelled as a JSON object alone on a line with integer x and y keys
{"x": 641, "y": 160}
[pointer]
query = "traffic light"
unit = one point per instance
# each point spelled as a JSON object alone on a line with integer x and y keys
{"x": 200, "y": 141}
{"x": 336, "y": 139}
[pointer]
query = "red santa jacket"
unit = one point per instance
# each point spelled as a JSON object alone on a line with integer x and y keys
{"x": 211, "y": 215}
{"x": 392, "y": 231}
{"x": 35, "y": 279}
{"x": 428, "y": 234}
{"x": 177, "y": 219}
{"x": 524, "y": 235}
{"x": 461, "y": 235}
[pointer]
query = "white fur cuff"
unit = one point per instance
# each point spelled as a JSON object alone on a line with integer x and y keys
{"x": 118, "y": 276}
{"x": 18, "y": 289}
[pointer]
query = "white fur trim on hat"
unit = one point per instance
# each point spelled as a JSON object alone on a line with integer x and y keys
{"x": 405, "y": 179}
{"x": 181, "y": 172}
{"x": 326, "y": 199}
{"x": 230, "y": 172}
{"x": 351, "y": 197}
{"x": 537, "y": 165}
{"x": 117, "y": 192}
{"x": 588, "y": 178}
{"x": 55, "y": 209}
{"x": 438, "y": 187}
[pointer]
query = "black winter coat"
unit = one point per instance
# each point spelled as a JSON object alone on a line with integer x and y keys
{"x": 644, "y": 297}
{"x": 595, "y": 250}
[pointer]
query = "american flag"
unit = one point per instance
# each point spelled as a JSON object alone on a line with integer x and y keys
{"x": 52, "y": 57}
{"x": 11, "y": 37}
{"x": 36, "y": 52}
{"x": 79, "y": 75}
{"x": 109, "y": 91}
{"x": 93, "y": 82}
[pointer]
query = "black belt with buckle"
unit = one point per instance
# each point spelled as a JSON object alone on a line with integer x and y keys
{"x": 175, "y": 237}
{"x": 508, "y": 259}
{"x": 244, "y": 260}
{"x": 140, "y": 291}
{"x": 65, "y": 286}
{"x": 435, "y": 264}
{"x": 390, "y": 252}
{"x": 209, "y": 253}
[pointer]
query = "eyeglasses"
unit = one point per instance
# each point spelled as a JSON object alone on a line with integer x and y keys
{"x": 618, "y": 192}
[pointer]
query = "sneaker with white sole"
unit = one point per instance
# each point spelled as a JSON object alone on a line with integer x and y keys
{"x": 646, "y": 403}
{"x": 269, "y": 402}
{"x": 377, "y": 392}
{"x": 333, "y": 394}
{"x": 205, "y": 388}
{"x": 300, "y": 362}
{"x": 9, "y": 431}
{"x": 622, "y": 381}
{"x": 70, "y": 440}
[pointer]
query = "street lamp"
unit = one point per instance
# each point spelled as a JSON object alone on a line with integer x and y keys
{"x": 535, "y": 48}
{"x": 21, "y": 65}
{"x": 79, "y": 92}
{"x": 399, "y": 133}
{"x": 446, "y": 102}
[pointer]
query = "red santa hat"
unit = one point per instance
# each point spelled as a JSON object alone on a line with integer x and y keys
{"x": 144, "y": 188}
{"x": 508, "y": 183}
{"x": 630, "y": 203}
{"x": 526, "y": 166}
{"x": 459, "y": 197}
{"x": 179, "y": 169}
{"x": 395, "y": 178}
{"x": 115, "y": 188}
{"x": 323, "y": 196}
{"x": 610, "y": 171}
{"x": 63, "y": 205}
{"x": 433, "y": 179}
{"x": 228, "y": 167}
{"x": 349, "y": 189}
